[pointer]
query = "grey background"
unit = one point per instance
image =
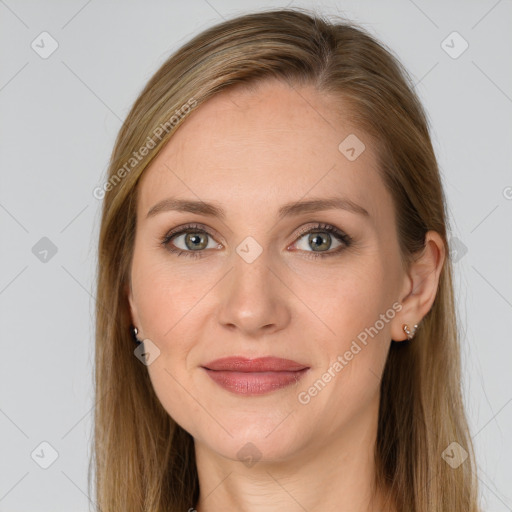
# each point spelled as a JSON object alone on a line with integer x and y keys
{"x": 59, "y": 118}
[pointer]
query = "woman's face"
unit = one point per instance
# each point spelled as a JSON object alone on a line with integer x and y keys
{"x": 247, "y": 284}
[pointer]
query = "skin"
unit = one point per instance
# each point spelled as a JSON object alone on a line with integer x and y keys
{"x": 251, "y": 151}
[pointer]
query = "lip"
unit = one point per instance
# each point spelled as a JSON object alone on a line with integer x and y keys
{"x": 260, "y": 364}
{"x": 254, "y": 376}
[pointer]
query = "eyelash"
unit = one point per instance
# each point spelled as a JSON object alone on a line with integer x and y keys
{"x": 195, "y": 228}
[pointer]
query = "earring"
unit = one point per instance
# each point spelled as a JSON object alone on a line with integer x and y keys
{"x": 410, "y": 334}
{"x": 134, "y": 332}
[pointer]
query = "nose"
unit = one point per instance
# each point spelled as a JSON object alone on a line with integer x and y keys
{"x": 253, "y": 298}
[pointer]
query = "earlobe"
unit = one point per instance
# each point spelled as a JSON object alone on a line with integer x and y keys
{"x": 410, "y": 333}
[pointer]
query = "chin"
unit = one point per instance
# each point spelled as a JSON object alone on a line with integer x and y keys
{"x": 250, "y": 440}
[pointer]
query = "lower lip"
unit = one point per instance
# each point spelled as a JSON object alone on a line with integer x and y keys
{"x": 254, "y": 383}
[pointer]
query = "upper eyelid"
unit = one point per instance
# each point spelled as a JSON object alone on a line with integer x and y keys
{"x": 182, "y": 230}
{"x": 302, "y": 232}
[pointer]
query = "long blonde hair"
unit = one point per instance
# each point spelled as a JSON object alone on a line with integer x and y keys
{"x": 143, "y": 460}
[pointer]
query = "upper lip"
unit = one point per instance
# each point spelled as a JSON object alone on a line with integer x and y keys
{"x": 260, "y": 364}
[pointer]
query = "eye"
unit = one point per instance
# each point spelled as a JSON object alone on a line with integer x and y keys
{"x": 320, "y": 237}
{"x": 192, "y": 240}
{"x": 189, "y": 241}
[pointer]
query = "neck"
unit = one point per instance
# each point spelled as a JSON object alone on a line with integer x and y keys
{"x": 333, "y": 473}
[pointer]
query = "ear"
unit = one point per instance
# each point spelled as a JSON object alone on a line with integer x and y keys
{"x": 420, "y": 285}
{"x": 131, "y": 301}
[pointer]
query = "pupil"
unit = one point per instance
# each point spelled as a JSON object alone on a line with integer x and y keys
{"x": 196, "y": 241}
{"x": 319, "y": 240}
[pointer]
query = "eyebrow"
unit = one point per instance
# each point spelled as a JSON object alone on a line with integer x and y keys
{"x": 287, "y": 210}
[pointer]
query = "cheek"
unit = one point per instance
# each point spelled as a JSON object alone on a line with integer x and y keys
{"x": 356, "y": 313}
{"x": 165, "y": 293}
{"x": 345, "y": 298}
{"x": 167, "y": 302}
{"x": 346, "y": 385}
{"x": 364, "y": 323}
{"x": 174, "y": 391}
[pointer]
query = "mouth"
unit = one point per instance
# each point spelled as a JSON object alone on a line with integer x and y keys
{"x": 259, "y": 376}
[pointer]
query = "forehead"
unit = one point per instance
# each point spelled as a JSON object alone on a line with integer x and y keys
{"x": 249, "y": 147}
